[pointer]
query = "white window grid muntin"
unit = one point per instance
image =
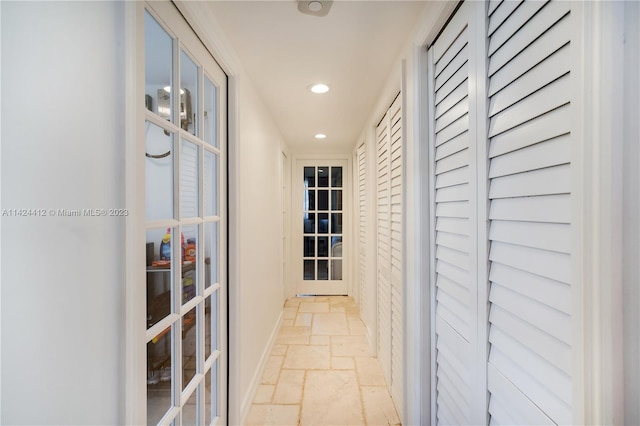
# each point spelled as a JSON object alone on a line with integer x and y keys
{"x": 177, "y": 310}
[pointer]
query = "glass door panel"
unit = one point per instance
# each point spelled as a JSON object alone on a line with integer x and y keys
{"x": 159, "y": 167}
{"x": 158, "y": 69}
{"x": 210, "y": 134}
{"x": 321, "y": 261}
{"x": 188, "y": 93}
{"x": 189, "y": 180}
{"x": 210, "y": 183}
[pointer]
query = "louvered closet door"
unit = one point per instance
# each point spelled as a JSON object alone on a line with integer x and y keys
{"x": 395, "y": 220}
{"x": 455, "y": 282}
{"x": 361, "y": 162}
{"x": 529, "y": 371}
{"x": 383, "y": 248}
{"x": 389, "y": 134}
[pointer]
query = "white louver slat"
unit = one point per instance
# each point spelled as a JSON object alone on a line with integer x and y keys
{"x": 529, "y": 376}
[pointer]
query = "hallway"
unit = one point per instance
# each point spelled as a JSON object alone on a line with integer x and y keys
{"x": 320, "y": 370}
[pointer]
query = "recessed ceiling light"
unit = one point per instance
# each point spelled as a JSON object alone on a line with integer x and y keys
{"x": 319, "y": 88}
{"x": 315, "y": 6}
{"x": 321, "y": 136}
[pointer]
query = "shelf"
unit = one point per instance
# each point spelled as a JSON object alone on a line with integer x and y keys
{"x": 186, "y": 267}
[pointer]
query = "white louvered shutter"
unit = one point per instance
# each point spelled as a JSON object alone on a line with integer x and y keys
{"x": 529, "y": 371}
{"x": 390, "y": 228}
{"x": 455, "y": 281}
{"x": 396, "y": 158}
{"x": 361, "y": 161}
{"x": 383, "y": 246}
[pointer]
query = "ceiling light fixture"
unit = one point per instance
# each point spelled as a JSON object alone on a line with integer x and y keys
{"x": 314, "y": 7}
{"x": 321, "y": 136}
{"x": 319, "y": 88}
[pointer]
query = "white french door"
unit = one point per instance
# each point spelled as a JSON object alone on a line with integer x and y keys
{"x": 185, "y": 212}
{"x": 321, "y": 219}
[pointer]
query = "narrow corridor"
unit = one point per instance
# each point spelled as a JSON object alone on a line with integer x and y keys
{"x": 320, "y": 371}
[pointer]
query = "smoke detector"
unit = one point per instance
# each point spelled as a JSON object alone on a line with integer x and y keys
{"x": 314, "y": 7}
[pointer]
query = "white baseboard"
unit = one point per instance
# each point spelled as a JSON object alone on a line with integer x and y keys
{"x": 257, "y": 375}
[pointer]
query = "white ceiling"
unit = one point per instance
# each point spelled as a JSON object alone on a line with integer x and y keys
{"x": 353, "y": 49}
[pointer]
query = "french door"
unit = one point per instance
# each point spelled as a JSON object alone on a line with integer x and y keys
{"x": 185, "y": 213}
{"x": 321, "y": 253}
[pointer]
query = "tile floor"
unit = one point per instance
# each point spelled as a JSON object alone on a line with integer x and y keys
{"x": 320, "y": 371}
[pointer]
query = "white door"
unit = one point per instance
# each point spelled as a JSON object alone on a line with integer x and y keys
{"x": 501, "y": 96}
{"x": 185, "y": 207}
{"x": 531, "y": 123}
{"x": 454, "y": 208}
{"x": 363, "y": 238}
{"x": 389, "y": 196}
{"x": 321, "y": 220}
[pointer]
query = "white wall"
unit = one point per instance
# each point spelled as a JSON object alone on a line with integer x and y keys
{"x": 256, "y": 277}
{"x": 62, "y": 277}
{"x": 260, "y": 286}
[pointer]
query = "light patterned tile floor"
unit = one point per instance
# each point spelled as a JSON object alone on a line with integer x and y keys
{"x": 320, "y": 371}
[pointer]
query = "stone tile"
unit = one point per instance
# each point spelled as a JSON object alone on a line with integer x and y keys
{"x": 378, "y": 406}
{"x": 342, "y": 302}
{"x": 287, "y": 323}
{"x": 307, "y": 357}
{"x": 357, "y": 327}
{"x": 303, "y": 320}
{"x": 293, "y": 331}
{"x": 272, "y": 370}
{"x": 342, "y": 363}
{"x": 294, "y": 301}
{"x": 369, "y": 371}
{"x": 314, "y": 307}
{"x": 289, "y": 312}
{"x": 329, "y": 324}
{"x": 321, "y": 298}
{"x": 273, "y": 415}
{"x": 279, "y": 350}
{"x": 302, "y": 339}
{"x": 264, "y": 394}
{"x": 331, "y": 398}
{"x": 319, "y": 340}
{"x": 353, "y": 312}
{"x": 289, "y": 387}
{"x": 337, "y": 309}
{"x": 290, "y": 335}
{"x": 349, "y": 346}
